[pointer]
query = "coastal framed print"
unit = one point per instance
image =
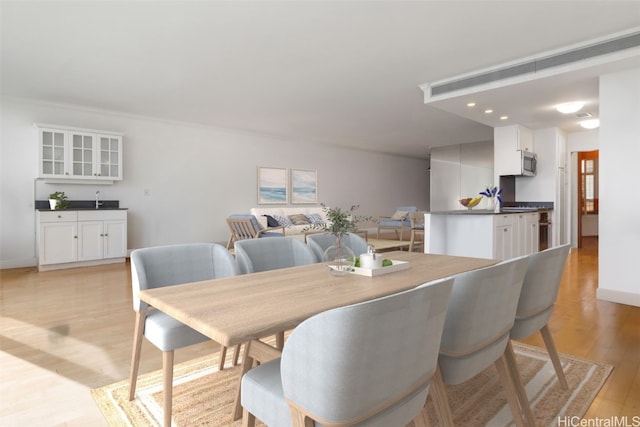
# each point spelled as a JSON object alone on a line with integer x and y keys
{"x": 304, "y": 186}
{"x": 272, "y": 186}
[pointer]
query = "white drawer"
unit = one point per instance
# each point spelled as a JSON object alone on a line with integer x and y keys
{"x": 102, "y": 215}
{"x": 502, "y": 219}
{"x": 58, "y": 216}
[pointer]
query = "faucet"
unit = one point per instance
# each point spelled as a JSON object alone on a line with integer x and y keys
{"x": 98, "y": 203}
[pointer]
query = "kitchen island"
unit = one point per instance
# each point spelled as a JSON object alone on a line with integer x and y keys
{"x": 482, "y": 233}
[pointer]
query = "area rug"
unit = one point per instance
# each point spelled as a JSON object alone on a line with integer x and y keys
{"x": 203, "y": 396}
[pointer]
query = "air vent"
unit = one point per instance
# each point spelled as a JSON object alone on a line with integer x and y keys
{"x": 535, "y": 65}
{"x": 583, "y": 115}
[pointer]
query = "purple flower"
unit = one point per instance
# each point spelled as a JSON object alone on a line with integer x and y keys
{"x": 492, "y": 192}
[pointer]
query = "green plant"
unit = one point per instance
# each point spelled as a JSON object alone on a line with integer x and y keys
{"x": 340, "y": 221}
{"x": 60, "y": 198}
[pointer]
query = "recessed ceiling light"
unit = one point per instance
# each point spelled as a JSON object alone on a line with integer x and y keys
{"x": 590, "y": 124}
{"x": 569, "y": 107}
{"x": 489, "y": 111}
{"x": 504, "y": 117}
{"x": 471, "y": 104}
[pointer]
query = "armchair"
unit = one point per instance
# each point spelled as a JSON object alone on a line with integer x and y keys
{"x": 397, "y": 222}
{"x": 247, "y": 227}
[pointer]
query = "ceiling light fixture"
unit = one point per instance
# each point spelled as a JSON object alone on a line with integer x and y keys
{"x": 569, "y": 107}
{"x": 471, "y": 104}
{"x": 504, "y": 117}
{"x": 488, "y": 111}
{"x": 590, "y": 124}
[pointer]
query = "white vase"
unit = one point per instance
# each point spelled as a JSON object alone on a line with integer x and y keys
{"x": 53, "y": 203}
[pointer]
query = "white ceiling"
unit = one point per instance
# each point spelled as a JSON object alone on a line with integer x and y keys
{"x": 338, "y": 72}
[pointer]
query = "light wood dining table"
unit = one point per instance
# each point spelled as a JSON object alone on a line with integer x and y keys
{"x": 245, "y": 308}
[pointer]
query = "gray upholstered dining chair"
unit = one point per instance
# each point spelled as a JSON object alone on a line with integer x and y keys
{"x": 321, "y": 241}
{"x": 384, "y": 382}
{"x": 161, "y": 266}
{"x": 537, "y": 299}
{"x": 256, "y": 255}
{"x": 481, "y": 312}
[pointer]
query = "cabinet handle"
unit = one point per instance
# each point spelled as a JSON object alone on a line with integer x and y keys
{"x": 106, "y": 234}
{"x": 75, "y": 237}
{"x": 59, "y": 216}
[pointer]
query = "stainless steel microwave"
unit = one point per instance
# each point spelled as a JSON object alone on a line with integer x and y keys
{"x": 529, "y": 163}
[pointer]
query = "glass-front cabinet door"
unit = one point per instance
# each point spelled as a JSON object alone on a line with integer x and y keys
{"x": 53, "y": 152}
{"x": 82, "y": 154}
{"x": 110, "y": 156}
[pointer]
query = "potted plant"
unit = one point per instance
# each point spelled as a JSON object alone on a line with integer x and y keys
{"x": 340, "y": 257}
{"x": 58, "y": 200}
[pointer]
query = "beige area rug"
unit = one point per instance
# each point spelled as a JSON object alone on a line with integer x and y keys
{"x": 203, "y": 396}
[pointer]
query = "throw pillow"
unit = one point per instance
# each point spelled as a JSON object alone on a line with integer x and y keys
{"x": 315, "y": 218}
{"x": 271, "y": 221}
{"x": 283, "y": 220}
{"x": 299, "y": 219}
{"x": 399, "y": 215}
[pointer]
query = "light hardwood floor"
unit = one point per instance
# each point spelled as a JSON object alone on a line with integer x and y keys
{"x": 63, "y": 333}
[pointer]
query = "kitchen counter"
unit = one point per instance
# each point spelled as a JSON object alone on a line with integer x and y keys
{"x": 81, "y": 205}
{"x": 508, "y": 210}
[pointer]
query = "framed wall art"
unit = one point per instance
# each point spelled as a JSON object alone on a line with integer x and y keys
{"x": 272, "y": 186}
{"x": 304, "y": 186}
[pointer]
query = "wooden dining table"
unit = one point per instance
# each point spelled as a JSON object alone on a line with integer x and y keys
{"x": 246, "y": 308}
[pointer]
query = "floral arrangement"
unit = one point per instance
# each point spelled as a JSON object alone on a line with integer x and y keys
{"x": 339, "y": 221}
{"x": 492, "y": 192}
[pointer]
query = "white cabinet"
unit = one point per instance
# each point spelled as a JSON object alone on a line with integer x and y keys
{"x": 503, "y": 237}
{"x": 508, "y": 141}
{"x": 57, "y": 237}
{"x": 80, "y": 238}
{"x": 73, "y": 153}
{"x": 527, "y": 233}
{"x": 102, "y": 234}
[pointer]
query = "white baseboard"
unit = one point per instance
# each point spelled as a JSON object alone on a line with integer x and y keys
{"x": 620, "y": 297}
{"x": 18, "y": 263}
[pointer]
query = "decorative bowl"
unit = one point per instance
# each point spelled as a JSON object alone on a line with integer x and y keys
{"x": 470, "y": 202}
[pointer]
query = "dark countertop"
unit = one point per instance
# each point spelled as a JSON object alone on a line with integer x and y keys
{"x": 82, "y": 205}
{"x": 507, "y": 208}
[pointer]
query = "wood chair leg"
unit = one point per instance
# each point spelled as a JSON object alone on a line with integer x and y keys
{"x": 135, "y": 356}
{"x": 280, "y": 340}
{"x": 248, "y": 419}
{"x": 236, "y": 355}
{"x": 299, "y": 419}
{"x": 553, "y": 354}
{"x": 422, "y": 419}
{"x": 167, "y": 385}
{"x": 509, "y": 390}
{"x": 440, "y": 400}
{"x": 247, "y": 363}
{"x": 521, "y": 393}
{"x": 223, "y": 356}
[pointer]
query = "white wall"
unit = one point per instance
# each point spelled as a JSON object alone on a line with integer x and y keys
{"x": 459, "y": 171}
{"x": 195, "y": 176}
{"x": 619, "y": 241}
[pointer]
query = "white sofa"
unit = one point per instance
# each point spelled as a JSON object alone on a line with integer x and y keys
{"x": 286, "y": 212}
